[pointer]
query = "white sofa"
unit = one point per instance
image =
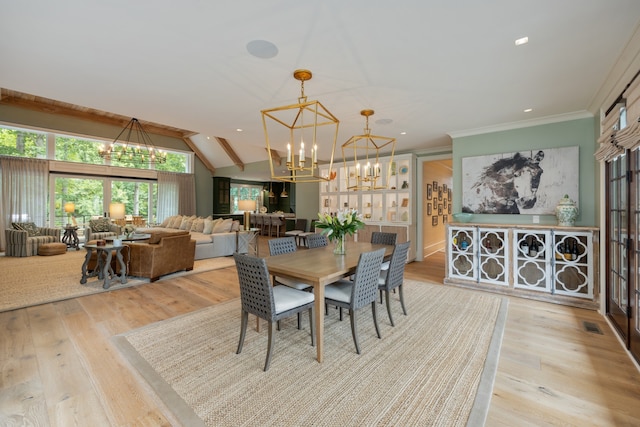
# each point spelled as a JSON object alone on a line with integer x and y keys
{"x": 208, "y": 245}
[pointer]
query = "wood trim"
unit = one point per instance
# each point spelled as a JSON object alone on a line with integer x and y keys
{"x": 200, "y": 155}
{"x": 230, "y": 152}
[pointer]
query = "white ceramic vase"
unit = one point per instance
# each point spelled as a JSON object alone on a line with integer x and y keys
{"x": 566, "y": 212}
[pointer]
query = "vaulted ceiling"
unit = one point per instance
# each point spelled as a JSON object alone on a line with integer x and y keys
{"x": 429, "y": 69}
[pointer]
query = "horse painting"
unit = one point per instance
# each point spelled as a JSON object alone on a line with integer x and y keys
{"x": 506, "y": 186}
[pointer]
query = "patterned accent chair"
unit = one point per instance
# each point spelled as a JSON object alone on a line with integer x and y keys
{"x": 25, "y": 238}
{"x": 101, "y": 228}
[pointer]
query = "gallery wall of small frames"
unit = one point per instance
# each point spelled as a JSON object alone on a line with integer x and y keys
{"x": 438, "y": 204}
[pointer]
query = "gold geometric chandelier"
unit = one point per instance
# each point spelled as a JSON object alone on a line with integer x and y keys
{"x": 366, "y": 172}
{"x": 136, "y": 146}
{"x": 300, "y": 128}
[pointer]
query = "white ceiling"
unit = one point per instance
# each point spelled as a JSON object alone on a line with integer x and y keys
{"x": 433, "y": 68}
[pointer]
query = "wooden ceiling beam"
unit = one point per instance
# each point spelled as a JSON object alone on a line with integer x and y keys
{"x": 200, "y": 155}
{"x": 45, "y": 105}
{"x": 230, "y": 152}
{"x": 275, "y": 157}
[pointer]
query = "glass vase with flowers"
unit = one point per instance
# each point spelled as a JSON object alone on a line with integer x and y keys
{"x": 337, "y": 227}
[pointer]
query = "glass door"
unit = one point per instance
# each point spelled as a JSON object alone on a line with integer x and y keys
{"x": 618, "y": 238}
{"x": 634, "y": 231}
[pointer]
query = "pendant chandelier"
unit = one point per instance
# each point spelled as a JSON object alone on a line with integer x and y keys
{"x": 366, "y": 172}
{"x": 300, "y": 128}
{"x": 133, "y": 144}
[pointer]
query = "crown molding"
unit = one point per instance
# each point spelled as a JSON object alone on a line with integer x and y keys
{"x": 522, "y": 124}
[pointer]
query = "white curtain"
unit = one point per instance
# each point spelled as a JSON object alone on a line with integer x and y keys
{"x": 24, "y": 184}
{"x": 176, "y": 194}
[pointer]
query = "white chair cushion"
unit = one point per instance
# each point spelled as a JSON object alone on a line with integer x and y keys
{"x": 293, "y": 232}
{"x": 383, "y": 277}
{"x": 286, "y": 298}
{"x": 385, "y": 265}
{"x": 339, "y": 291}
{"x": 292, "y": 283}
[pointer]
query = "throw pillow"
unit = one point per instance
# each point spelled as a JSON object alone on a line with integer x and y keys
{"x": 31, "y": 229}
{"x": 100, "y": 225}
{"x": 235, "y": 225}
{"x": 175, "y": 222}
{"x": 223, "y": 227}
{"x": 208, "y": 225}
{"x": 198, "y": 225}
{"x": 166, "y": 221}
{"x": 186, "y": 222}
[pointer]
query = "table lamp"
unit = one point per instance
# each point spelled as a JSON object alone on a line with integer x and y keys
{"x": 69, "y": 208}
{"x": 247, "y": 206}
{"x": 116, "y": 212}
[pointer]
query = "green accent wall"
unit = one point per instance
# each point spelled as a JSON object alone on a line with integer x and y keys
{"x": 579, "y": 132}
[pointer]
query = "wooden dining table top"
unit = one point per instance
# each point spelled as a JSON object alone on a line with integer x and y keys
{"x": 319, "y": 267}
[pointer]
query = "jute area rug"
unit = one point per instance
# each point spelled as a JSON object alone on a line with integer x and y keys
{"x": 37, "y": 280}
{"x": 434, "y": 368}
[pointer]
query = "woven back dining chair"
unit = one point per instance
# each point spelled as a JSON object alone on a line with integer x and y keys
{"x": 271, "y": 303}
{"x": 394, "y": 277}
{"x": 299, "y": 228}
{"x": 317, "y": 240}
{"x": 360, "y": 292}
{"x": 286, "y": 245}
{"x": 382, "y": 238}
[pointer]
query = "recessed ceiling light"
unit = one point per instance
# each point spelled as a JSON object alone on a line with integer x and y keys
{"x": 238, "y": 130}
{"x": 522, "y": 40}
{"x": 528, "y": 110}
{"x": 403, "y": 133}
{"x": 262, "y": 49}
{"x": 208, "y": 137}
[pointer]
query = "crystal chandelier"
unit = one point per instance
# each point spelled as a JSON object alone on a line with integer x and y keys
{"x": 300, "y": 128}
{"x": 366, "y": 172}
{"x": 133, "y": 144}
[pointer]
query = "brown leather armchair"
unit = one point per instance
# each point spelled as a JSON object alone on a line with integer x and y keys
{"x": 165, "y": 253}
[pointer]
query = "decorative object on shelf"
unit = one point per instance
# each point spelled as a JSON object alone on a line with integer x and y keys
{"x": 405, "y": 185}
{"x": 69, "y": 208}
{"x": 404, "y": 170}
{"x": 566, "y": 212}
{"x": 129, "y": 230}
{"x": 365, "y": 150}
{"x": 135, "y": 146}
{"x": 247, "y": 206}
{"x": 263, "y": 209}
{"x": 306, "y": 121}
{"x": 336, "y": 227}
{"x": 462, "y": 217}
{"x": 405, "y": 216}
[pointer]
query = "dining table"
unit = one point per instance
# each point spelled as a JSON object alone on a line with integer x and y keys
{"x": 319, "y": 267}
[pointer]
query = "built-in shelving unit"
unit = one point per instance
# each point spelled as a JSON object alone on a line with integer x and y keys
{"x": 555, "y": 264}
{"x": 391, "y": 209}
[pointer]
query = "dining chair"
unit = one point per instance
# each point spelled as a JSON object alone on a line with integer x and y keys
{"x": 286, "y": 245}
{"x": 276, "y": 223}
{"x": 260, "y": 223}
{"x": 382, "y": 238}
{"x": 394, "y": 277}
{"x": 356, "y": 294}
{"x": 317, "y": 240}
{"x": 298, "y": 228}
{"x": 268, "y": 302}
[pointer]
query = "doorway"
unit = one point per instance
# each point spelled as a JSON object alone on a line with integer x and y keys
{"x": 437, "y": 185}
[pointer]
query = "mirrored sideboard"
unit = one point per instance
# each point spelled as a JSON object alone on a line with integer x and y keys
{"x": 549, "y": 263}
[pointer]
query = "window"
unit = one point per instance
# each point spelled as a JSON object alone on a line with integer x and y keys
{"x": 22, "y": 143}
{"x": 244, "y": 192}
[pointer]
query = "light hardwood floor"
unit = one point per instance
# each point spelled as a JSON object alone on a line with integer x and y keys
{"x": 58, "y": 366}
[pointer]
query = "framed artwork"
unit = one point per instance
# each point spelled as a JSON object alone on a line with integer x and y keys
{"x": 435, "y": 203}
{"x": 440, "y": 210}
{"x": 429, "y": 210}
{"x": 444, "y": 203}
{"x": 440, "y": 193}
{"x": 449, "y": 193}
{"x": 435, "y": 185}
{"x": 444, "y": 188}
{"x": 449, "y": 209}
{"x": 434, "y": 221}
{"x": 429, "y": 192}
{"x": 527, "y": 182}
{"x": 445, "y": 219}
